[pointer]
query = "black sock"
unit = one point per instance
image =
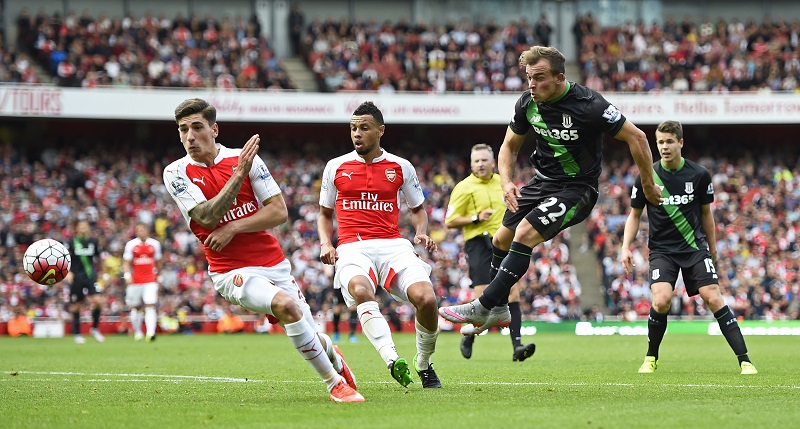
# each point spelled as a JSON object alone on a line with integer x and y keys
{"x": 515, "y": 327}
{"x": 76, "y": 323}
{"x": 656, "y": 327}
{"x": 353, "y": 322}
{"x": 95, "y": 317}
{"x": 730, "y": 329}
{"x": 469, "y": 339}
{"x": 337, "y": 317}
{"x": 514, "y": 266}
{"x": 497, "y": 258}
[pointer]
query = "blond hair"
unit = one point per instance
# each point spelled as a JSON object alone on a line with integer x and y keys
{"x": 552, "y": 55}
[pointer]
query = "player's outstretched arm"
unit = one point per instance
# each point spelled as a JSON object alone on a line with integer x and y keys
{"x": 631, "y": 228}
{"x": 640, "y": 150}
{"x": 209, "y": 213}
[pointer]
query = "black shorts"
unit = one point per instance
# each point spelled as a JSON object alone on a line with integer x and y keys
{"x": 479, "y": 258}
{"x": 333, "y": 296}
{"x": 338, "y": 298}
{"x": 79, "y": 290}
{"x": 551, "y": 207}
{"x": 697, "y": 268}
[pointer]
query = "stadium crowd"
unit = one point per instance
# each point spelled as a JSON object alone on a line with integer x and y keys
{"x": 691, "y": 55}
{"x": 482, "y": 58}
{"x": 151, "y": 51}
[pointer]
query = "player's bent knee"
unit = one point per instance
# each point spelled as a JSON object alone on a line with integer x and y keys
{"x": 421, "y": 296}
{"x": 712, "y": 297}
{"x": 285, "y": 309}
{"x": 661, "y": 307}
{"x": 361, "y": 291}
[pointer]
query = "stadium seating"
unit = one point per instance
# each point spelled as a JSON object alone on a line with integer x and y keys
{"x": 152, "y": 51}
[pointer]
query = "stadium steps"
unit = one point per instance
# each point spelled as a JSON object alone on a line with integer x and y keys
{"x": 573, "y": 72}
{"x": 44, "y": 75}
{"x": 587, "y": 268}
{"x": 300, "y": 74}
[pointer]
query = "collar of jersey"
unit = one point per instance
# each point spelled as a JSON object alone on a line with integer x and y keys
{"x": 478, "y": 179}
{"x": 378, "y": 158}
{"x": 217, "y": 159}
{"x": 563, "y": 94}
{"x": 683, "y": 161}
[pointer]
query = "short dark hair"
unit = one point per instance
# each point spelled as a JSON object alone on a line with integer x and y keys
{"x": 549, "y": 53}
{"x": 671, "y": 127}
{"x": 369, "y": 108}
{"x": 196, "y": 105}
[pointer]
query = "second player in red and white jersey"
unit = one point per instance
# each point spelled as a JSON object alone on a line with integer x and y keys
{"x": 367, "y": 195}
{"x": 192, "y": 183}
{"x": 363, "y": 189}
{"x": 143, "y": 256}
{"x": 141, "y": 261}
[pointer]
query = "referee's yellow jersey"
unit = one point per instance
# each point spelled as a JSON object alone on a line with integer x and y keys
{"x": 472, "y": 196}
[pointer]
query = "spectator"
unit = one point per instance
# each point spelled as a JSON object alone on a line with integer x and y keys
{"x": 231, "y": 322}
{"x": 297, "y": 22}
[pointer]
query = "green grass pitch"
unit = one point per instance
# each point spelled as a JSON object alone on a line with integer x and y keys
{"x": 259, "y": 381}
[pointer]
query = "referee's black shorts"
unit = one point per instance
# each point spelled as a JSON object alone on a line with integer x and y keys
{"x": 479, "y": 258}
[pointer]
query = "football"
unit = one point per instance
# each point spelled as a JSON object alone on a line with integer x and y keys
{"x": 46, "y": 262}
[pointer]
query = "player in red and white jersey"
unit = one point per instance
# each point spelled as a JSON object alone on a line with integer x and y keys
{"x": 363, "y": 188}
{"x": 141, "y": 261}
{"x": 229, "y": 199}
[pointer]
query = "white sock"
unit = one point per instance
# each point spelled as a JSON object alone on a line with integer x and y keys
{"x": 479, "y": 307}
{"x": 305, "y": 340}
{"x": 426, "y": 345}
{"x": 136, "y": 322}
{"x": 377, "y": 330}
{"x": 150, "y": 321}
{"x": 332, "y": 355}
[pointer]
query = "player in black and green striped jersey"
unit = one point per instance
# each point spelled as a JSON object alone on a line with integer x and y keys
{"x": 570, "y": 122}
{"x": 681, "y": 239}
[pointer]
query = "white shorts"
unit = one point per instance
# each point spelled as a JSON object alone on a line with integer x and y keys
{"x": 391, "y": 263}
{"x": 140, "y": 294}
{"x": 254, "y": 288}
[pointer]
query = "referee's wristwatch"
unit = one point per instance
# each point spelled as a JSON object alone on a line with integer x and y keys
{"x": 475, "y": 219}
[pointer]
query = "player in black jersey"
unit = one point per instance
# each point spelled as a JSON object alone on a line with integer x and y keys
{"x": 570, "y": 121}
{"x": 82, "y": 279}
{"x": 681, "y": 239}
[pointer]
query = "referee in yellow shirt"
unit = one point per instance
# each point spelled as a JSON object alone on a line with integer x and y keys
{"x": 476, "y": 206}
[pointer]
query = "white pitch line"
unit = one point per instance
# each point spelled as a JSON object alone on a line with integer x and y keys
{"x": 124, "y": 377}
{"x": 164, "y": 376}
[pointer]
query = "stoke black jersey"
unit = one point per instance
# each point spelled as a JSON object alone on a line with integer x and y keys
{"x": 676, "y": 225}
{"x": 569, "y": 140}
{"x": 85, "y": 254}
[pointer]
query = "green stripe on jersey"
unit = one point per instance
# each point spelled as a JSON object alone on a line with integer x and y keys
{"x": 676, "y": 215}
{"x": 570, "y": 214}
{"x": 560, "y": 151}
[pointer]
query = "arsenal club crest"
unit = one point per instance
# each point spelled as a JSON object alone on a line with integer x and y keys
{"x": 238, "y": 280}
{"x": 391, "y": 174}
